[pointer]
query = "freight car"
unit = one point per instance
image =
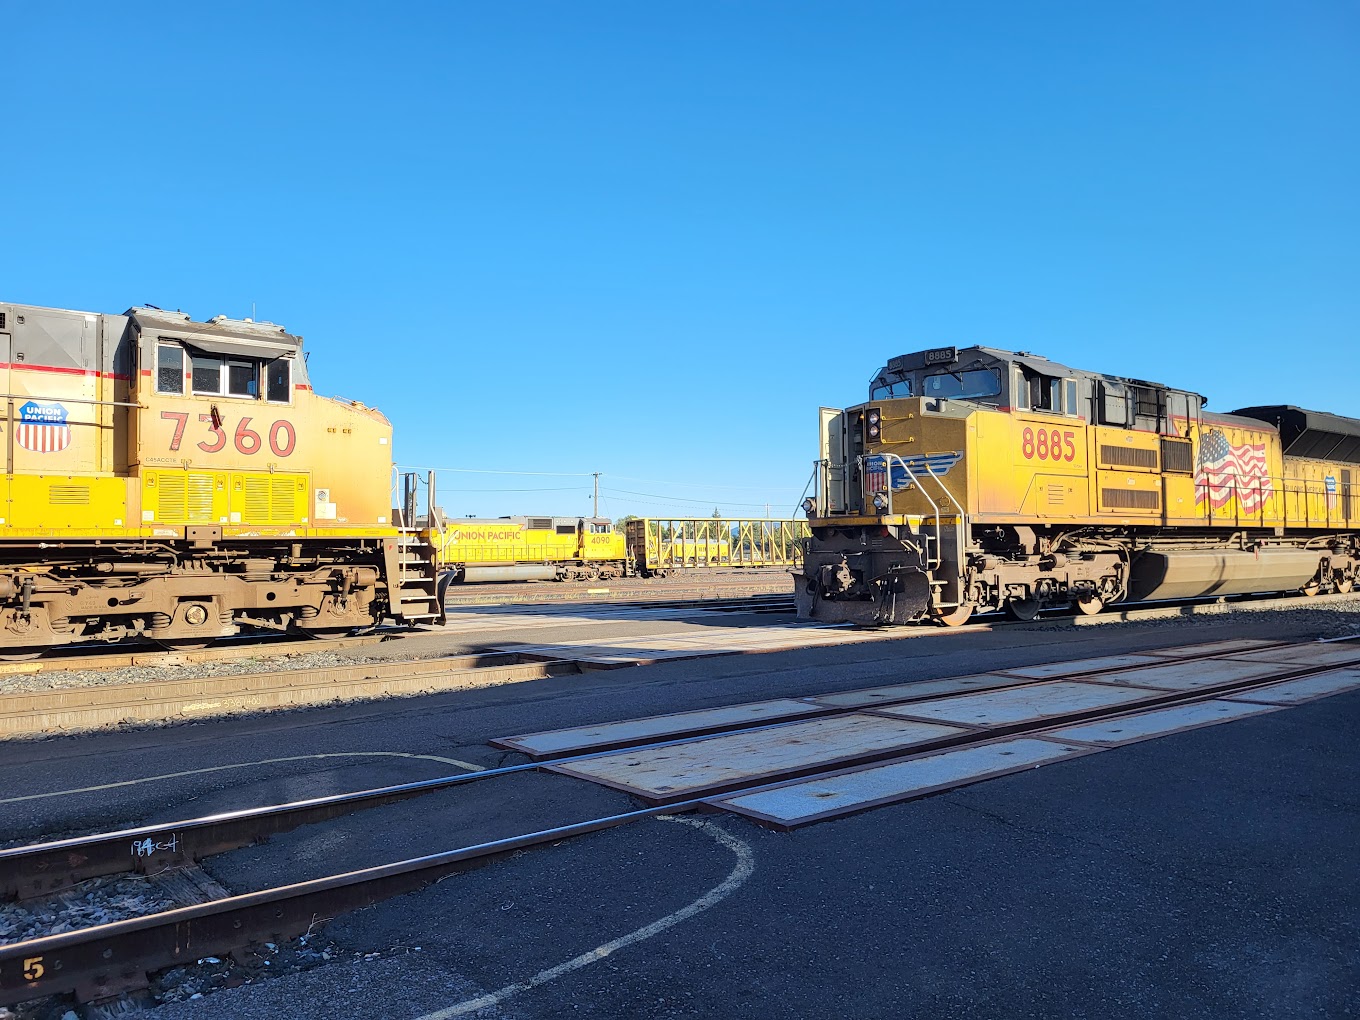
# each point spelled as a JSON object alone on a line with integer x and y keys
{"x": 180, "y": 481}
{"x": 983, "y": 479}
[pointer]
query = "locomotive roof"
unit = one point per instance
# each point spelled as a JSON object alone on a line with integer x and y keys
{"x": 919, "y": 361}
{"x": 219, "y": 335}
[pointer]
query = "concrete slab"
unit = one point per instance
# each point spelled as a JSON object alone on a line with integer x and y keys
{"x": 917, "y": 689}
{"x": 1159, "y": 722}
{"x": 658, "y": 727}
{"x": 1103, "y": 662}
{"x": 1189, "y": 676}
{"x": 1309, "y": 688}
{"x": 1312, "y": 653}
{"x": 1018, "y": 705}
{"x": 801, "y": 803}
{"x": 1211, "y": 647}
{"x": 715, "y": 763}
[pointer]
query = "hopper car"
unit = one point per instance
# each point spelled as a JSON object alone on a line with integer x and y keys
{"x": 982, "y": 479}
{"x": 180, "y": 481}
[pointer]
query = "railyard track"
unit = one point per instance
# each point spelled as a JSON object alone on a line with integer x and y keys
{"x": 74, "y": 708}
{"x": 104, "y": 960}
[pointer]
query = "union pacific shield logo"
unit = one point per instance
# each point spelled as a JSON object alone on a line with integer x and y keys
{"x": 42, "y": 428}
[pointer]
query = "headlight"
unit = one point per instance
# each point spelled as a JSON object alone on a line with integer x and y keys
{"x": 873, "y": 417}
{"x": 880, "y": 500}
{"x": 873, "y": 431}
{"x": 809, "y": 506}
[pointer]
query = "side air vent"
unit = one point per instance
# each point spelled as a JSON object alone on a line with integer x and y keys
{"x": 1127, "y": 456}
{"x": 68, "y": 495}
{"x": 539, "y": 523}
{"x": 1178, "y": 457}
{"x": 1131, "y": 499}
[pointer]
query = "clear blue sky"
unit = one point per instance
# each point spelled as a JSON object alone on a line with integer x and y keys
{"x": 651, "y": 239}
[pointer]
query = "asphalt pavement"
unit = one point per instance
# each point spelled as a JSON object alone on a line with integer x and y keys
{"x": 1210, "y": 873}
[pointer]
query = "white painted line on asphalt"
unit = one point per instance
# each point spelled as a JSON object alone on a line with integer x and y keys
{"x": 746, "y": 865}
{"x": 244, "y": 765}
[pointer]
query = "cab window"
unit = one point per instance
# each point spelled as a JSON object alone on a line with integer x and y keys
{"x": 982, "y": 382}
{"x": 278, "y": 387}
{"x": 169, "y": 368}
{"x": 900, "y": 388}
{"x": 207, "y": 374}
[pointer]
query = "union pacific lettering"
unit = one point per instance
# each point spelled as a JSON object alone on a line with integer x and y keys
{"x": 494, "y": 534}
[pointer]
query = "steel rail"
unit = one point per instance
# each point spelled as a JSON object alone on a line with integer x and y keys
{"x": 111, "y": 958}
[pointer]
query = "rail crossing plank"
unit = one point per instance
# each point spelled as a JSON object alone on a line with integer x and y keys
{"x": 1160, "y": 722}
{"x": 1188, "y": 676}
{"x": 1211, "y": 647}
{"x": 718, "y": 762}
{"x": 791, "y": 805}
{"x": 1019, "y": 704}
{"x": 873, "y": 696}
{"x": 1312, "y": 653}
{"x": 1309, "y": 688}
{"x": 579, "y": 739}
{"x": 1102, "y": 662}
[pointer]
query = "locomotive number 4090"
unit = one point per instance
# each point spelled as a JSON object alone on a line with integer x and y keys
{"x": 1048, "y": 444}
{"x": 280, "y": 435}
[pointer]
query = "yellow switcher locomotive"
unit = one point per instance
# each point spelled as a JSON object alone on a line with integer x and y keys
{"x": 179, "y": 481}
{"x": 982, "y": 479}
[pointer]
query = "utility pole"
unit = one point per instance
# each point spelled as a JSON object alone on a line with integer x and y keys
{"x": 597, "y": 494}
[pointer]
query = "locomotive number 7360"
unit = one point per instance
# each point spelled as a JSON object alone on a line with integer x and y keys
{"x": 280, "y": 435}
{"x": 1048, "y": 444}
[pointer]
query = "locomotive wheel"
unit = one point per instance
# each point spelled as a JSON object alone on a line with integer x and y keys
{"x": 1090, "y": 606}
{"x": 1024, "y": 610}
{"x": 1311, "y": 589}
{"x": 956, "y": 617}
{"x": 1343, "y": 585}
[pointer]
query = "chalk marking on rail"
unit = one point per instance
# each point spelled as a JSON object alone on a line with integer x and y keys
{"x": 245, "y": 765}
{"x": 745, "y": 866}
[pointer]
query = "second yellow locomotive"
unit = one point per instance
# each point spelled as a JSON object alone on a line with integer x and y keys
{"x": 982, "y": 479}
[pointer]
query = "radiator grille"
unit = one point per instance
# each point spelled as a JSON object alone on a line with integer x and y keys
{"x": 1178, "y": 457}
{"x": 68, "y": 495}
{"x": 1131, "y": 499}
{"x": 269, "y": 501}
{"x": 186, "y": 497}
{"x": 1127, "y": 456}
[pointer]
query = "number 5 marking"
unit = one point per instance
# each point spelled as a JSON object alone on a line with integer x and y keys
{"x": 1071, "y": 446}
{"x": 33, "y": 968}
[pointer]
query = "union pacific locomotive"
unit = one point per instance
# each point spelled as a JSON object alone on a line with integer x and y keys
{"x": 180, "y": 481}
{"x": 983, "y": 479}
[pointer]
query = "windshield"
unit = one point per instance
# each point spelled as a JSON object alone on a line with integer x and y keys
{"x": 982, "y": 382}
{"x": 899, "y": 388}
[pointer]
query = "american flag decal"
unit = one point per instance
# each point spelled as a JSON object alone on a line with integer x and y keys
{"x": 1225, "y": 471}
{"x": 42, "y": 428}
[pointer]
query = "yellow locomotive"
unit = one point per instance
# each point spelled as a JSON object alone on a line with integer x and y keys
{"x": 531, "y": 549}
{"x": 982, "y": 479}
{"x": 180, "y": 481}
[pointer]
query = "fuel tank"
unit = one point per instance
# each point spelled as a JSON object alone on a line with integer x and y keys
{"x": 1190, "y": 573}
{"x": 512, "y": 572}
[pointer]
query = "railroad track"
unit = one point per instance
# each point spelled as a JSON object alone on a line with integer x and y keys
{"x": 111, "y": 958}
{"x": 109, "y": 657}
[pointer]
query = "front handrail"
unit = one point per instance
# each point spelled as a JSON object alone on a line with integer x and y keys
{"x": 939, "y": 527}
